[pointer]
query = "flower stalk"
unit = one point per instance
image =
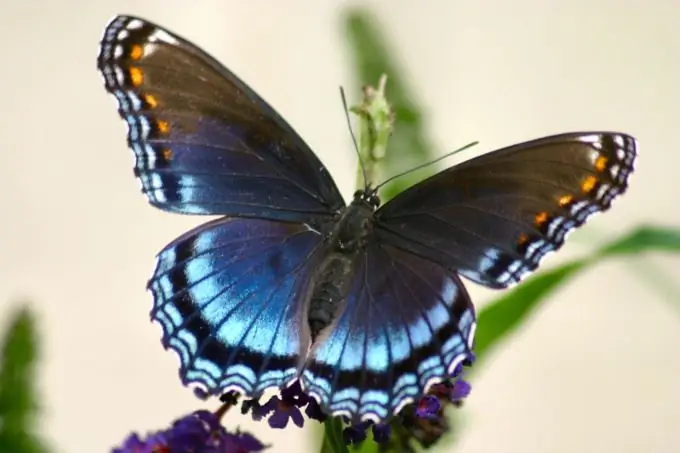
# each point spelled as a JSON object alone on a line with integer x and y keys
{"x": 375, "y": 127}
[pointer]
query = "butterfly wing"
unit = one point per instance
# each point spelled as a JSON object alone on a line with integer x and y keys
{"x": 405, "y": 324}
{"x": 203, "y": 141}
{"x": 494, "y": 217}
{"x": 229, "y": 297}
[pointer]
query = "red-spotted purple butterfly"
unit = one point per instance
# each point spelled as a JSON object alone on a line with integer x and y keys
{"x": 362, "y": 304}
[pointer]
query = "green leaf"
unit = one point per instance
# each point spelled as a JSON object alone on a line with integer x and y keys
{"x": 332, "y": 437}
{"x": 408, "y": 145}
{"x": 375, "y": 128}
{"x": 644, "y": 239}
{"x": 509, "y": 312}
{"x": 18, "y": 405}
{"x": 659, "y": 278}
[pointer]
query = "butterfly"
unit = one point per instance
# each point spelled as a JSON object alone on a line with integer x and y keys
{"x": 362, "y": 303}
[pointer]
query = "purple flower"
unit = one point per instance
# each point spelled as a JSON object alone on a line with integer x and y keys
{"x": 242, "y": 443}
{"x": 134, "y": 444}
{"x": 355, "y": 434}
{"x": 460, "y": 390}
{"x": 428, "y": 406}
{"x": 199, "y": 432}
{"x": 281, "y": 408}
{"x": 294, "y": 395}
{"x": 284, "y": 407}
{"x": 426, "y": 422}
{"x": 381, "y": 433}
{"x": 257, "y": 410}
{"x": 282, "y": 411}
{"x": 314, "y": 411}
{"x": 423, "y": 421}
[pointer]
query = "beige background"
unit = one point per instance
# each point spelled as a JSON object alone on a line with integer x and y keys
{"x": 597, "y": 370}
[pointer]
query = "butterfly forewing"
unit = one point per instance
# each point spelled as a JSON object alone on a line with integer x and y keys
{"x": 204, "y": 142}
{"x": 494, "y": 217}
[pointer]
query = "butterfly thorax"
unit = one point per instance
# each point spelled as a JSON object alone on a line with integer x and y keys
{"x": 355, "y": 223}
{"x": 345, "y": 240}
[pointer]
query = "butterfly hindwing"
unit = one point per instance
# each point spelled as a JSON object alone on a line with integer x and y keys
{"x": 204, "y": 142}
{"x": 405, "y": 324}
{"x": 228, "y": 296}
{"x": 494, "y": 217}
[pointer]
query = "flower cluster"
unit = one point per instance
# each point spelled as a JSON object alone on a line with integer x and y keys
{"x": 423, "y": 421}
{"x": 200, "y": 432}
{"x": 287, "y": 406}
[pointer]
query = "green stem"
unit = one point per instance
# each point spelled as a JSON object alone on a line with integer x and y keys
{"x": 375, "y": 127}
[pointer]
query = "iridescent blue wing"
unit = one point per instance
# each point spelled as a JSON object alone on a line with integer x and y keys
{"x": 405, "y": 324}
{"x": 229, "y": 296}
{"x": 203, "y": 141}
{"x": 494, "y": 217}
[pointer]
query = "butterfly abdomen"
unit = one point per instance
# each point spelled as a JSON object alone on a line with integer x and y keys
{"x": 345, "y": 240}
{"x": 334, "y": 274}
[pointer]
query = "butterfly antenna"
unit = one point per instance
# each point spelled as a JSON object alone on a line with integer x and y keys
{"x": 426, "y": 164}
{"x": 354, "y": 139}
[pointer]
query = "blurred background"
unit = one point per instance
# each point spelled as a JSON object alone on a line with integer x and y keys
{"x": 596, "y": 370}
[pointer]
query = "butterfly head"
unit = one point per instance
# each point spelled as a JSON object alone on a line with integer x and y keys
{"x": 368, "y": 197}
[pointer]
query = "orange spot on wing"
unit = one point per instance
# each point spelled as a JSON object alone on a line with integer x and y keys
{"x": 523, "y": 239}
{"x": 150, "y": 100}
{"x": 565, "y": 200}
{"x": 136, "y": 76}
{"x": 167, "y": 154}
{"x": 588, "y": 184}
{"x": 601, "y": 163}
{"x": 163, "y": 126}
{"x": 136, "y": 52}
{"x": 541, "y": 218}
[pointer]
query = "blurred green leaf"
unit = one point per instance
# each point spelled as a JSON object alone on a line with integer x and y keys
{"x": 332, "y": 438}
{"x": 507, "y": 313}
{"x": 375, "y": 129}
{"x": 660, "y": 279}
{"x": 18, "y": 405}
{"x": 645, "y": 239}
{"x": 408, "y": 145}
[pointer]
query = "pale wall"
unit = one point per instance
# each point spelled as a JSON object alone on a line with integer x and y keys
{"x": 595, "y": 371}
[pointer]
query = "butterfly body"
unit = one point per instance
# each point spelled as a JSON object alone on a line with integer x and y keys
{"x": 362, "y": 303}
{"x": 344, "y": 238}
